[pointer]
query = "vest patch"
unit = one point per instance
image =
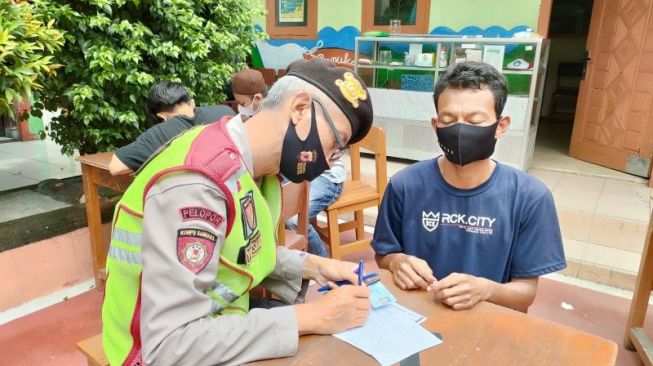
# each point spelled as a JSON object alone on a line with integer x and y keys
{"x": 195, "y": 248}
{"x": 249, "y": 251}
{"x": 248, "y": 215}
{"x": 202, "y": 214}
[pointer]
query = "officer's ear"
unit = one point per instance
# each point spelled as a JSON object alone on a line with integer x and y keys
{"x": 300, "y": 107}
{"x": 300, "y": 113}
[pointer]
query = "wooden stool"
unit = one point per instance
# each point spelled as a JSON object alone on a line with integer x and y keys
{"x": 92, "y": 349}
{"x": 635, "y": 338}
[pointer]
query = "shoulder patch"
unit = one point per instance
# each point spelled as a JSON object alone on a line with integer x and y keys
{"x": 201, "y": 213}
{"x": 195, "y": 248}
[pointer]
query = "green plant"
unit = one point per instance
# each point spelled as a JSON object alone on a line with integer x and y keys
{"x": 27, "y": 44}
{"x": 116, "y": 49}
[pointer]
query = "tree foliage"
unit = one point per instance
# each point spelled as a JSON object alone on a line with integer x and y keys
{"x": 27, "y": 45}
{"x": 116, "y": 49}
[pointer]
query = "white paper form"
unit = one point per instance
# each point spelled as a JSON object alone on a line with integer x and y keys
{"x": 389, "y": 338}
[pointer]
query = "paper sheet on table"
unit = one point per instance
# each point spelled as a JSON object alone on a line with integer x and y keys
{"x": 390, "y": 335}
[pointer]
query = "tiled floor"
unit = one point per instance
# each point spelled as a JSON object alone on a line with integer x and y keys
{"x": 25, "y": 203}
{"x": 28, "y": 163}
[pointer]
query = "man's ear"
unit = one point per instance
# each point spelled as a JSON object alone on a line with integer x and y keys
{"x": 434, "y": 121}
{"x": 161, "y": 116}
{"x": 300, "y": 105}
{"x": 192, "y": 103}
{"x": 504, "y": 124}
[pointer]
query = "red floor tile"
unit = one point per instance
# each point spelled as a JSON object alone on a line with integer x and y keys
{"x": 48, "y": 337}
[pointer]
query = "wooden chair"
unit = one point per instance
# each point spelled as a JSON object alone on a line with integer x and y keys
{"x": 92, "y": 349}
{"x": 635, "y": 337}
{"x": 356, "y": 196}
{"x": 295, "y": 202}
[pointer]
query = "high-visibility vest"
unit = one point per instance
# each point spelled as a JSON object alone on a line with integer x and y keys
{"x": 247, "y": 256}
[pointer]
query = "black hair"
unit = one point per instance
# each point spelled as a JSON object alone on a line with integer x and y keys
{"x": 164, "y": 95}
{"x": 474, "y": 75}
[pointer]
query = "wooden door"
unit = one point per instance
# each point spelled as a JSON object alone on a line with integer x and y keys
{"x": 614, "y": 117}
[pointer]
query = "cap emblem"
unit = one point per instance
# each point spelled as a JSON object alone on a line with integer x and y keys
{"x": 351, "y": 89}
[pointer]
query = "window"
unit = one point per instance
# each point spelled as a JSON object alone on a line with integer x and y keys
{"x": 291, "y": 19}
{"x": 414, "y": 15}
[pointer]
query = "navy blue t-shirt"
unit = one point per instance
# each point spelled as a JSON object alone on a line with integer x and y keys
{"x": 505, "y": 228}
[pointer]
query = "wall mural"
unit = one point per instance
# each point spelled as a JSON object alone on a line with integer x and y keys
{"x": 338, "y": 45}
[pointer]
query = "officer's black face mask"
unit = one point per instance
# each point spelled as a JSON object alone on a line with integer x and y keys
{"x": 302, "y": 160}
{"x": 463, "y": 144}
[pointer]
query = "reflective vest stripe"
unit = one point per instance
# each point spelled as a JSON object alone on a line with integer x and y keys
{"x": 126, "y": 237}
{"x": 124, "y": 255}
{"x": 224, "y": 292}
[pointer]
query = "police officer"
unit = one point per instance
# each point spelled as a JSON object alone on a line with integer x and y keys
{"x": 195, "y": 232}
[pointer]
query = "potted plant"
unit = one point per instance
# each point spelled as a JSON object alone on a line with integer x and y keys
{"x": 116, "y": 49}
{"x": 27, "y": 46}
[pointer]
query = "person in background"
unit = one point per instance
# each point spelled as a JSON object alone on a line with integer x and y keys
{"x": 249, "y": 90}
{"x": 463, "y": 226}
{"x": 170, "y": 103}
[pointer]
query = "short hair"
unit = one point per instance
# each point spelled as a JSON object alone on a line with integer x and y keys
{"x": 164, "y": 95}
{"x": 474, "y": 75}
{"x": 287, "y": 87}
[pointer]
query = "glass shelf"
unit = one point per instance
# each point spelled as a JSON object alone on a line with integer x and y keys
{"x": 397, "y": 67}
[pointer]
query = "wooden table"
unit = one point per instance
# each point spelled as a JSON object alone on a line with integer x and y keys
{"x": 95, "y": 172}
{"x": 635, "y": 338}
{"x": 485, "y": 335}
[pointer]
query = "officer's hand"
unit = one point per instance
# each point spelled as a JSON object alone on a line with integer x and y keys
{"x": 325, "y": 270}
{"x": 340, "y": 309}
{"x": 410, "y": 272}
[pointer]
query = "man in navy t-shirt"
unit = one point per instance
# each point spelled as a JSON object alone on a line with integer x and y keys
{"x": 463, "y": 226}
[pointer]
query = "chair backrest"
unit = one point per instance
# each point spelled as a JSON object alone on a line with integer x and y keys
{"x": 294, "y": 202}
{"x": 374, "y": 142}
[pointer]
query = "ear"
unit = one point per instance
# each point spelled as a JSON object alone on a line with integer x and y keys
{"x": 192, "y": 103}
{"x": 300, "y": 106}
{"x": 504, "y": 123}
{"x": 161, "y": 116}
{"x": 434, "y": 121}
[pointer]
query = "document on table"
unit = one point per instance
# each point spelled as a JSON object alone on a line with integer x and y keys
{"x": 391, "y": 334}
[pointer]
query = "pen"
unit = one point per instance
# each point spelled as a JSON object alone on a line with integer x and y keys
{"x": 360, "y": 272}
{"x": 345, "y": 282}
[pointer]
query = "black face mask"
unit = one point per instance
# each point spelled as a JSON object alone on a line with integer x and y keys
{"x": 463, "y": 144}
{"x": 302, "y": 160}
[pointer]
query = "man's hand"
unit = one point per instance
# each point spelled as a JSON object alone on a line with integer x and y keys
{"x": 327, "y": 271}
{"x": 461, "y": 291}
{"x": 408, "y": 272}
{"x": 340, "y": 309}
